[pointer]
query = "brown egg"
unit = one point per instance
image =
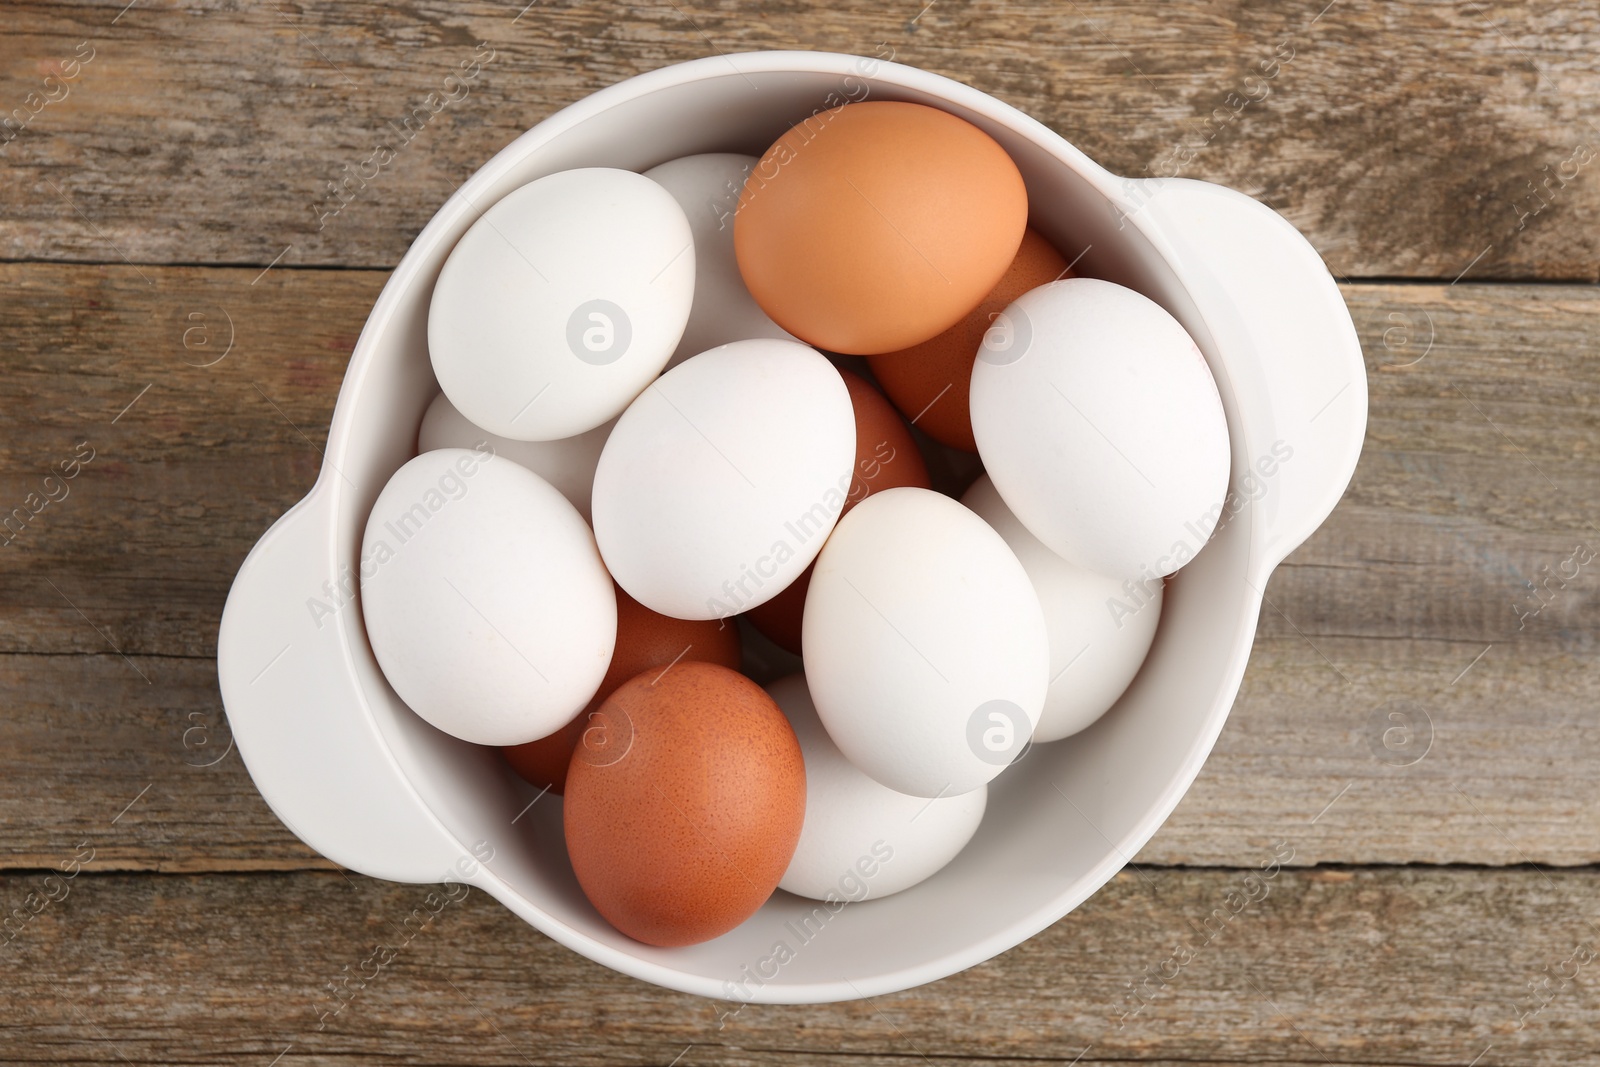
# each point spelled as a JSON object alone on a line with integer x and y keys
{"x": 871, "y": 227}
{"x": 886, "y": 457}
{"x": 930, "y": 382}
{"x": 645, "y": 641}
{"x": 684, "y": 804}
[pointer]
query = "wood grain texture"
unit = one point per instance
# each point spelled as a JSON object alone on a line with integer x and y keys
{"x": 1477, "y": 472}
{"x": 1509, "y": 777}
{"x": 238, "y": 969}
{"x": 180, "y": 302}
{"x": 1406, "y": 138}
{"x": 1477, "y": 478}
{"x": 191, "y": 463}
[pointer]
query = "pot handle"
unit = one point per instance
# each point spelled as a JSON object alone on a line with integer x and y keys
{"x": 300, "y": 719}
{"x": 1296, "y": 366}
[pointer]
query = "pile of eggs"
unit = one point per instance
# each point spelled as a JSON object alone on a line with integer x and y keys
{"x": 654, "y": 425}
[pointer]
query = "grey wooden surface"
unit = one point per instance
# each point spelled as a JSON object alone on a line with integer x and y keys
{"x": 1434, "y": 912}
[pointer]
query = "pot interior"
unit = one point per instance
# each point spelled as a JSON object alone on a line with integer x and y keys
{"x": 1059, "y": 824}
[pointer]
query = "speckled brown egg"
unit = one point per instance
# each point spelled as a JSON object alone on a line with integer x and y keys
{"x": 873, "y": 226}
{"x": 645, "y": 640}
{"x": 930, "y": 382}
{"x": 684, "y": 803}
{"x": 886, "y": 457}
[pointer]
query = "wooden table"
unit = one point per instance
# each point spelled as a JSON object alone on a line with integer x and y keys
{"x": 167, "y": 193}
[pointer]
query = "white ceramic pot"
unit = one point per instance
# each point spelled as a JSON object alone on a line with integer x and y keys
{"x": 371, "y": 786}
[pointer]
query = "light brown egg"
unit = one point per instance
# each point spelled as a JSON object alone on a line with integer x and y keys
{"x": 684, "y": 803}
{"x": 645, "y": 641}
{"x": 930, "y": 382}
{"x": 886, "y": 457}
{"x": 873, "y": 226}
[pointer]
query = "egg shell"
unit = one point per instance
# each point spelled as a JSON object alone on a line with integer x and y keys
{"x": 1100, "y": 628}
{"x": 707, "y": 188}
{"x": 720, "y": 483}
{"x": 684, "y": 803}
{"x": 1100, "y": 424}
{"x": 484, "y": 597}
{"x": 561, "y": 303}
{"x": 873, "y": 226}
{"x": 568, "y": 463}
{"x": 863, "y": 840}
{"x": 925, "y": 645}
{"x": 886, "y": 456}
{"x": 645, "y": 640}
{"x": 931, "y": 382}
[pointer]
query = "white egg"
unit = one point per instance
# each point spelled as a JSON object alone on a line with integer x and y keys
{"x": 924, "y": 643}
{"x": 707, "y": 188}
{"x": 561, "y": 303}
{"x": 1100, "y": 423}
{"x": 568, "y": 464}
{"x": 484, "y": 597}
{"x": 1100, "y": 628}
{"x": 861, "y": 839}
{"x": 722, "y": 480}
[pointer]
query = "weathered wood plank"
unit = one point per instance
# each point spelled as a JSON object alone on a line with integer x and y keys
{"x": 1423, "y": 567}
{"x": 237, "y": 970}
{"x": 85, "y": 740}
{"x": 1406, "y": 138}
{"x": 1506, "y": 769}
{"x": 1477, "y": 477}
{"x": 190, "y": 462}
